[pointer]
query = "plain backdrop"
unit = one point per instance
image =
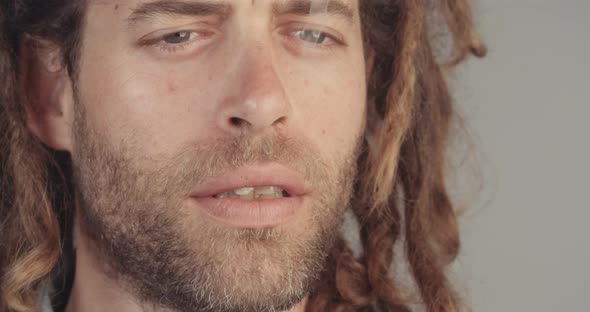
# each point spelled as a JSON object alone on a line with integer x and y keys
{"x": 526, "y": 234}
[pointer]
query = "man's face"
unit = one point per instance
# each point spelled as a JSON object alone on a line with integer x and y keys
{"x": 215, "y": 145}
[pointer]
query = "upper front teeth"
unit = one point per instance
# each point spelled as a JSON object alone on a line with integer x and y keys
{"x": 244, "y": 191}
{"x": 261, "y": 192}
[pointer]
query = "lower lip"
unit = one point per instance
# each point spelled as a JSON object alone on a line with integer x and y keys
{"x": 251, "y": 213}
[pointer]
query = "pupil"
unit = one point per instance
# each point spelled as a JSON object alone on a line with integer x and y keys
{"x": 312, "y": 36}
{"x": 178, "y": 37}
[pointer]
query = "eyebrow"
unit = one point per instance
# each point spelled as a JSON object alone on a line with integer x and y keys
{"x": 154, "y": 9}
{"x": 307, "y": 7}
{"x": 150, "y": 10}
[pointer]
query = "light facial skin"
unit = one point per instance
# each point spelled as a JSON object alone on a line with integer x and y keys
{"x": 214, "y": 147}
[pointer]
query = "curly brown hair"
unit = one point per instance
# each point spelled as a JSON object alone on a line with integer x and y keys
{"x": 400, "y": 187}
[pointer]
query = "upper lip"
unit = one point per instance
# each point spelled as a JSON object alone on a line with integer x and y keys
{"x": 254, "y": 176}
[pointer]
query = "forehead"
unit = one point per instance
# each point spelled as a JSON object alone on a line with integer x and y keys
{"x": 135, "y": 12}
{"x": 131, "y": 13}
{"x": 344, "y": 7}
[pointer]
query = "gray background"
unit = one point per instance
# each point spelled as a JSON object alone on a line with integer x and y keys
{"x": 525, "y": 235}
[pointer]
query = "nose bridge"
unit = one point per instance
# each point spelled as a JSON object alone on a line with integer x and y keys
{"x": 260, "y": 78}
{"x": 257, "y": 99}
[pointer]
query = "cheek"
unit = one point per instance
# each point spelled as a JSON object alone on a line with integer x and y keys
{"x": 160, "y": 110}
{"x": 333, "y": 113}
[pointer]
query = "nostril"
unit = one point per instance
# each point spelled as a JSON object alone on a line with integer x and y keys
{"x": 280, "y": 120}
{"x": 237, "y": 122}
{"x": 241, "y": 123}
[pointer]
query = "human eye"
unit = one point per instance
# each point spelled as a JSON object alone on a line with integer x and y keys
{"x": 177, "y": 41}
{"x": 312, "y": 36}
{"x": 178, "y": 37}
{"x": 316, "y": 38}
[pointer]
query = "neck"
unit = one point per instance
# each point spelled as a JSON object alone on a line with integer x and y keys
{"x": 95, "y": 291}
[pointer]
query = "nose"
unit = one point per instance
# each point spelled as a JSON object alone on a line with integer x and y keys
{"x": 255, "y": 99}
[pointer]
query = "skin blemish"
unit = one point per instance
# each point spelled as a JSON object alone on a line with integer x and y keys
{"x": 171, "y": 86}
{"x": 116, "y": 7}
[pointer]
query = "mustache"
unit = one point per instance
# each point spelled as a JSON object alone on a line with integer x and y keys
{"x": 238, "y": 151}
{"x": 197, "y": 162}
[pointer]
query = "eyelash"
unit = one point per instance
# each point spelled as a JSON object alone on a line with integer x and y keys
{"x": 333, "y": 40}
{"x": 172, "y": 48}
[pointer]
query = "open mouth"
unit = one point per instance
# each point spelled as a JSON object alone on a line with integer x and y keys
{"x": 256, "y": 196}
{"x": 255, "y": 193}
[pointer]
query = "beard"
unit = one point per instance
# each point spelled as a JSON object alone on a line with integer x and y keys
{"x": 131, "y": 209}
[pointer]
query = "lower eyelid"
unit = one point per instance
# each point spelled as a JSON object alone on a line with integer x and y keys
{"x": 166, "y": 47}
